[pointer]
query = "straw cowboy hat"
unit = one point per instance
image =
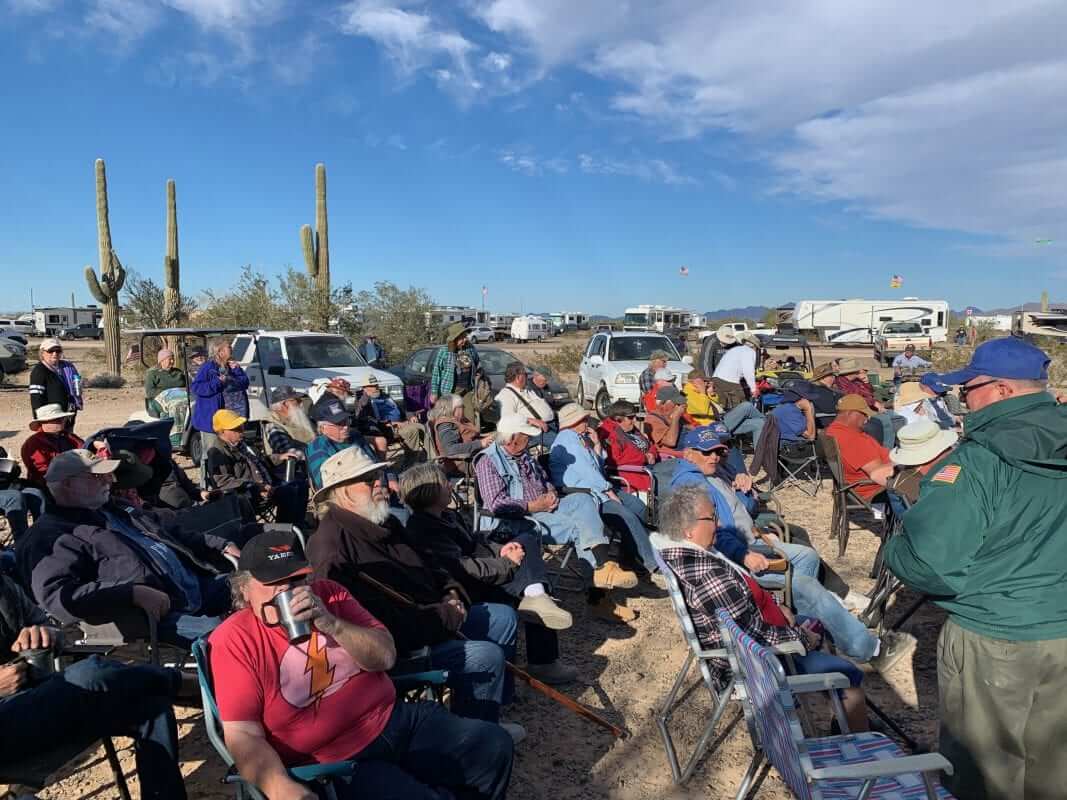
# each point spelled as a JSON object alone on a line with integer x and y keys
{"x": 824, "y": 370}
{"x": 920, "y": 442}
{"x": 49, "y": 413}
{"x": 849, "y": 366}
{"x": 571, "y": 414}
{"x": 908, "y": 394}
{"x": 726, "y": 335}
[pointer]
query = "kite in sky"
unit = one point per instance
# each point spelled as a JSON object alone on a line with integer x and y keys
{"x": 896, "y": 281}
{"x": 1042, "y": 241}
{"x": 683, "y": 271}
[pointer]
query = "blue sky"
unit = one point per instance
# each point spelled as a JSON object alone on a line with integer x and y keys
{"x": 566, "y": 154}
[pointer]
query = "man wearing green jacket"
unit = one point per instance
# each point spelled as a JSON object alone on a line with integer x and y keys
{"x": 987, "y": 540}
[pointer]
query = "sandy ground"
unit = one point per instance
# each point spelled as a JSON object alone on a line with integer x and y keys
{"x": 625, "y": 672}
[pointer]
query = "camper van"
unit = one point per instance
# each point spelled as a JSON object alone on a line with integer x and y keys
{"x": 529, "y": 328}
{"x": 664, "y": 319}
{"x": 858, "y": 321}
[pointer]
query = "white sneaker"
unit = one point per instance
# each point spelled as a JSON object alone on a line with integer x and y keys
{"x": 854, "y": 601}
{"x": 515, "y": 731}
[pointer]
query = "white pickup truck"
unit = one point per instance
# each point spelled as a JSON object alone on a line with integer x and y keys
{"x": 893, "y": 337}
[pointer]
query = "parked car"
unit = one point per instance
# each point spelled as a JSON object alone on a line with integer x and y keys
{"x": 84, "y": 331}
{"x": 299, "y": 358}
{"x": 613, "y": 362}
{"x": 416, "y": 369}
{"x": 481, "y": 333}
{"x": 893, "y": 337}
{"x": 15, "y": 335}
{"x": 12, "y": 356}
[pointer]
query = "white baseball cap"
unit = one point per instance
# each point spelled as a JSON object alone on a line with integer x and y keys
{"x": 511, "y": 424}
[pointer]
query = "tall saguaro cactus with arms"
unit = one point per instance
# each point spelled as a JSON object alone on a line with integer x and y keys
{"x": 172, "y": 298}
{"x": 112, "y": 275}
{"x": 316, "y": 246}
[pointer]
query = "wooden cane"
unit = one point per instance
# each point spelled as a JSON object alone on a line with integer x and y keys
{"x": 565, "y": 701}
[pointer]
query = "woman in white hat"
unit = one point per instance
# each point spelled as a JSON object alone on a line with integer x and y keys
{"x": 55, "y": 381}
{"x": 50, "y": 438}
{"x": 920, "y": 445}
{"x": 576, "y": 461}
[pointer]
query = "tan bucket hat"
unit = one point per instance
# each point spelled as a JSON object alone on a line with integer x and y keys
{"x": 349, "y": 464}
{"x": 571, "y": 414}
{"x": 920, "y": 442}
{"x": 49, "y": 413}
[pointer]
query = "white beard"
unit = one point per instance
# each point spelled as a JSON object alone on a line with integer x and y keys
{"x": 377, "y": 511}
{"x": 298, "y": 425}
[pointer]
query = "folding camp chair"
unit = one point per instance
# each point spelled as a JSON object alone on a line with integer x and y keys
{"x": 323, "y": 774}
{"x": 852, "y": 765}
{"x": 798, "y": 465}
{"x": 886, "y": 585}
{"x": 720, "y": 697}
{"x": 845, "y": 497}
{"x": 458, "y": 469}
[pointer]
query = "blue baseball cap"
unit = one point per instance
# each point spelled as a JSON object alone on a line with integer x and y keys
{"x": 1008, "y": 357}
{"x": 703, "y": 438}
{"x": 932, "y": 381}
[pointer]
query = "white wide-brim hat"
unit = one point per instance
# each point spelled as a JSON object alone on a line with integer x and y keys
{"x": 920, "y": 442}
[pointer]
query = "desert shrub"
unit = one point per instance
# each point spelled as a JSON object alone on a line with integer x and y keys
{"x": 105, "y": 380}
{"x": 565, "y": 359}
{"x": 952, "y": 358}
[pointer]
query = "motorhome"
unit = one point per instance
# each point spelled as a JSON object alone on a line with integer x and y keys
{"x": 529, "y": 328}
{"x": 501, "y": 324}
{"x": 858, "y": 321}
{"x": 665, "y": 319}
{"x": 48, "y": 321}
{"x": 697, "y": 320}
{"x": 443, "y": 316}
{"x": 1052, "y": 322}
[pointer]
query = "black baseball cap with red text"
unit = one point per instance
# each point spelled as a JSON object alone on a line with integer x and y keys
{"x": 274, "y": 556}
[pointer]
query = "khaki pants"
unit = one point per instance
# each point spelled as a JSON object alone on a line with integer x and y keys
{"x": 728, "y": 394}
{"x": 1003, "y": 716}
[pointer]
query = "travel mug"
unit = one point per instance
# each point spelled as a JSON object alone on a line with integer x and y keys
{"x": 290, "y": 470}
{"x": 42, "y": 662}
{"x": 298, "y": 631}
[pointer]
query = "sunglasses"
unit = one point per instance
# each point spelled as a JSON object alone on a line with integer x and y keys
{"x": 54, "y": 350}
{"x": 966, "y": 390}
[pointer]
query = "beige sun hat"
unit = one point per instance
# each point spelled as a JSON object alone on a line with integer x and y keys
{"x": 726, "y": 335}
{"x": 908, "y": 394}
{"x": 49, "y": 413}
{"x": 920, "y": 442}
{"x": 349, "y": 464}
{"x": 571, "y": 414}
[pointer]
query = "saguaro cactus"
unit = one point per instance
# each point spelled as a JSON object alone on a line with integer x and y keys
{"x": 316, "y": 246}
{"x": 171, "y": 268}
{"x": 112, "y": 275}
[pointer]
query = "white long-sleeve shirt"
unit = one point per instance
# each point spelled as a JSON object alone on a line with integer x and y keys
{"x": 509, "y": 401}
{"x": 737, "y": 363}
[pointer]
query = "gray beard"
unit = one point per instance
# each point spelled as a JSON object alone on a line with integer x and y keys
{"x": 377, "y": 511}
{"x": 297, "y": 425}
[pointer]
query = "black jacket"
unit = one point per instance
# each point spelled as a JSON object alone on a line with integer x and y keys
{"x": 346, "y": 545}
{"x": 17, "y": 611}
{"x": 47, "y": 387}
{"x": 81, "y": 570}
{"x": 233, "y": 468}
{"x": 469, "y": 558}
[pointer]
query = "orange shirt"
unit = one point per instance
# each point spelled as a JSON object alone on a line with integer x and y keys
{"x": 857, "y": 448}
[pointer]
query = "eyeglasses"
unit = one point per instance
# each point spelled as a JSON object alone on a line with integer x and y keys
{"x": 54, "y": 350}
{"x": 966, "y": 390}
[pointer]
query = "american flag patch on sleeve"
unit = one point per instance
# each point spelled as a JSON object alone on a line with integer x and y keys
{"x": 947, "y": 474}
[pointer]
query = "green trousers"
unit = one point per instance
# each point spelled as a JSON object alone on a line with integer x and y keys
{"x": 1003, "y": 715}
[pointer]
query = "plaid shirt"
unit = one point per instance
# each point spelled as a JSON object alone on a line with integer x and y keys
{"x": 443, "y": 377}
{"x": 494, "y": 490}
{"x": 710, "y": 583}
{"x": 646, "y": 380}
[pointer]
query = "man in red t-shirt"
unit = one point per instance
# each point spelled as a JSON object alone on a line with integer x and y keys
{"x": 863, "y": 458}
{"x": 327, "y": 698}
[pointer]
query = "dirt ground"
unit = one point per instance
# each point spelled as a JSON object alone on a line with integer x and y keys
{"x": 625, "y": 672}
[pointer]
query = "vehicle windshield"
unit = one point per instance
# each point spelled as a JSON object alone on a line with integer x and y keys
{"x": 902, "y": 327}
{"x": 635, "y": 319}
{"x": 639, "y": 348}
{"x": 496, "y": 361}
{"x": 320, "y": 352}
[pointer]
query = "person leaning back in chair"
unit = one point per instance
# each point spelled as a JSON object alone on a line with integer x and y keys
{"x": 866, "y": 463}
{"x": 986, "y": 541}
{"x": 328, "y": 698}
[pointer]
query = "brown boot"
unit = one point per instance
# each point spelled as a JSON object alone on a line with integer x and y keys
{"x": 610, "y": 611}
{"x": 611, "y": 576}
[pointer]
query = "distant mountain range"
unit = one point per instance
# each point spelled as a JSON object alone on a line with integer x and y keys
{"x": 746, "y": 312}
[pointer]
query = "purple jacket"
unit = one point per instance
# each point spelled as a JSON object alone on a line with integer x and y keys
{"x": 208, "y": 393}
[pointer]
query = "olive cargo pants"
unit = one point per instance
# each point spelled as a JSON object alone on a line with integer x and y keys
{"x": 1003, "y": 715}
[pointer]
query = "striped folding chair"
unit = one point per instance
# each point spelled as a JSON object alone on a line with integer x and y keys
{"x": 858, "y": 766}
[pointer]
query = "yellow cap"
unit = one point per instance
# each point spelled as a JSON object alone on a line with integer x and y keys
{"x": 226, "y": 420}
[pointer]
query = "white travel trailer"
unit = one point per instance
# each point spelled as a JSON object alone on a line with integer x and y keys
{"x": 665, "y": 319}
{"x": 697, "y": 320}
{"x": 569, "y": 320}
{"x": 857, "y": 321}
{"x": 48, "y": 321}
{"x": 501, "y": 324}
{"x": 443, "y": 316}
{"x": 529, "y": 328}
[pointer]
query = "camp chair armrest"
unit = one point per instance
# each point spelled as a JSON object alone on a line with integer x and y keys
{"x": 850, "y": 486}
{"x": 819, "y": 682}
{"x": 412, "y": 680}
{"x": 794, "y": 648}
{"x": 927, "y": 762}
{"x": 631, "y": 468}
{"x": 314, "y": 772}
{"x": 706, "y": 654}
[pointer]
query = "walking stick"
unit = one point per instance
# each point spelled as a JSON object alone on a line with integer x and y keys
{"x": 565, "y": 701}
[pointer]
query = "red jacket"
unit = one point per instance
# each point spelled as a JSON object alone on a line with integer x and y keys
{"x": 39, "y": 450}
{"x": 862, "y": 388}
{"x": 621, "y": 451}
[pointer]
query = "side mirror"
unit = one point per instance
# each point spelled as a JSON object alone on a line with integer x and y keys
{"x": 277, "y": 370}
{"x": 596, "y": 360}
{"x": 687, "y": 360}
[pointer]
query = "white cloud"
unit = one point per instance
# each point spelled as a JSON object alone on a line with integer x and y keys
{"x": 32, "y": 6}
{"x": 527, "y": 164}
{"x": 655, "y": 170}
{"x": 126, "y": 20}
{"x": 230, "y": 15}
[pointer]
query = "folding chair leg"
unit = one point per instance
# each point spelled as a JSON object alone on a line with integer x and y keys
{"x": 911, "y": 743}
{"x": 750, "y": 775}
{"x": 568, "y": 577}
{"x": 116, "y": 768}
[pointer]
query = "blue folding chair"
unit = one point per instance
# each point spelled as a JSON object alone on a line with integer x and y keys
{"x": 311, "y": 773}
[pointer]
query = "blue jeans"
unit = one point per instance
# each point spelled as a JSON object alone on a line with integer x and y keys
{"x": 426, "y": 753}
{"x": 542, "y": 644}
{"x": 95, "y": 698}
{"x": 15, "y": 504}
{"x": 576, "y": 519}
{"x": 848, "y": 633}
{"x": 818, "y": 661}
{"x": 744, "y": 418}
{"x": 480, "y": 682}
{"x": 182, "y": 628}
{"x": 627, "y": 516}
{"x": 804, "y": 559}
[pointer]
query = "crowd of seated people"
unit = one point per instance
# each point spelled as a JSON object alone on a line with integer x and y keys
{"x": 393, "y": 568}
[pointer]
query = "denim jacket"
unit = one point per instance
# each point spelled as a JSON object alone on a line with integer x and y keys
{"x": 572, "y": 463}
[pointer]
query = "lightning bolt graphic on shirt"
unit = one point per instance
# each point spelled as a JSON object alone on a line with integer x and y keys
{"x": 318, "y": 665}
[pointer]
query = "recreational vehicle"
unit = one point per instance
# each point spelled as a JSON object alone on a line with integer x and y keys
{"x": 857, "y": 321}
{"x": 1052, "y": 322}
{"x": 48, "y": 321}
{"x": 501, "y": 324}
{"x": 443, "y": 316}
{"x": 569, "y": 320}
{"x": 529, "y": 328}
{"x": 664, "y": 319}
